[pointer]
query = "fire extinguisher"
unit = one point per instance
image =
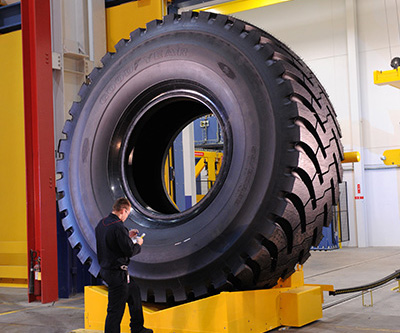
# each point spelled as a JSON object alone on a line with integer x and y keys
{"x": 35, "y": 274}
{"x": 38, "y": 278}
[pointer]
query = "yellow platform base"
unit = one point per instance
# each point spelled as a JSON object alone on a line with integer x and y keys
{"x": 291, "y": 303}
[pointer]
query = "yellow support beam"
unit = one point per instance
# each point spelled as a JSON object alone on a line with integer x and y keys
{"x": 199, "y": 167}
{"x": 390, "y": 77}
{"x": 231, "y": 7}
{"x": 168, "y": 181}
{"x": 212, "y": 172}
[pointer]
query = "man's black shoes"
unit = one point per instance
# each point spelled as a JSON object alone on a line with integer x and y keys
{"x": 146, "y": 330}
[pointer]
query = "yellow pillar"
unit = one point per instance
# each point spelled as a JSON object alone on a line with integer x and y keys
{"x": 13, "y": 248}
{"x": 125, "y": 18}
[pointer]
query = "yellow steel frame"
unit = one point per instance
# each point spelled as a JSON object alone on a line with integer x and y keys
{"x": 364, "y": 303}
{"x": 231, "y": 7}
{"x": 290, "y": 303}
{"x": 213, "y": 161}
{"x": 390, "y": 77}
{"x": 169, "y": 183}
{"x": 123, "y": 19}
{"x": 396, "y": 289}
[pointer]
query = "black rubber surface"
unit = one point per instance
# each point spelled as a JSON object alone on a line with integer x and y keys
{"x": 280, "y": 173}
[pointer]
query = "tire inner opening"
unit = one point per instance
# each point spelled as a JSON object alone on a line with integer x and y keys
{"x": 153, "y": 158}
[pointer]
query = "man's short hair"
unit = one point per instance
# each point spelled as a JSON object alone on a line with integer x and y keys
{"x": 120, "y": 204}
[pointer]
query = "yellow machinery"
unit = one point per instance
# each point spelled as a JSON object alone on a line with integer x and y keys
{"x": 213, "y": 161}
{"x": 290, "y": 303}
{"x": 392, "y": 78}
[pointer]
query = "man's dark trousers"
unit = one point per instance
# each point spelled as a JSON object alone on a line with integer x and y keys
{"x": 121, "y": 292}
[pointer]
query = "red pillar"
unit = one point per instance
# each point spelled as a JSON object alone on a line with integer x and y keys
{"x": 39, "y": 145}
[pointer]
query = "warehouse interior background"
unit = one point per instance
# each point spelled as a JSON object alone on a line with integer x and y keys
{"x": 342, "y": 41}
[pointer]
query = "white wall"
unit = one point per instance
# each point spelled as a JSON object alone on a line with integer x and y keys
{"x": 318, "y": 31}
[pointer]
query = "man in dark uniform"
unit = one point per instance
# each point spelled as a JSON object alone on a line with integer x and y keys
{"x": 115, "y": 245}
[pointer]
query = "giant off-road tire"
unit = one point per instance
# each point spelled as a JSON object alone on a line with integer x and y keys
{"x": 281, "y": 165}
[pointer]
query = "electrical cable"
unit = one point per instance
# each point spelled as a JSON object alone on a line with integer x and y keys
{"x": 395, "y": 275}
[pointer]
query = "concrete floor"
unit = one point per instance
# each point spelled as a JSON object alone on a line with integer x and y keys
{"x": 343, "y": 268}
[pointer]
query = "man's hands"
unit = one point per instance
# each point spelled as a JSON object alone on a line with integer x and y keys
{"x": 133, "y": 234}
